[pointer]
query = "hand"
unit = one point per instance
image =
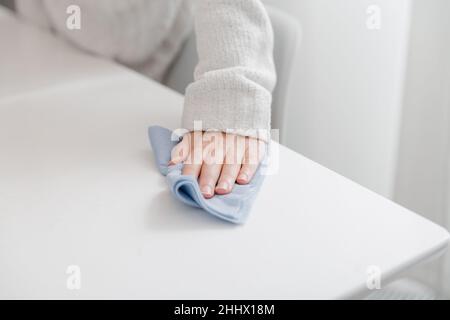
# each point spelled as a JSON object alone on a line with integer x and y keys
{"x": 218, "y": 160}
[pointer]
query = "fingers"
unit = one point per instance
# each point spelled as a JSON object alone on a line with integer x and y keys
{"x": 208, "y": 179}
{"x": 193, "y": 162}
{"x": 254, "y": 154}
{"x": 217, "y": 160}
{"x": 212, "y": 163}
{"x": 232, "y": 166}
{"x": 227, "y": 178}
{"x": 192, "y": 170}
{"x": 246, "y": 173}
{"x": 181, "y": 151}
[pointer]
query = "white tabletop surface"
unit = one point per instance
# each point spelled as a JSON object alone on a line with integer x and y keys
{"x": 78, "y": 186}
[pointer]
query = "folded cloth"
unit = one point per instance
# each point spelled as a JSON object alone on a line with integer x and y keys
{"x": 233, "y": 207}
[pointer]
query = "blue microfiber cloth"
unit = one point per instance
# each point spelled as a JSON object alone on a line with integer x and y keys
{"x": 233, "y": 207}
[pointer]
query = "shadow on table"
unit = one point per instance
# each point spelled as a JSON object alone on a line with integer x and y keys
{"x": 168, "y": 213}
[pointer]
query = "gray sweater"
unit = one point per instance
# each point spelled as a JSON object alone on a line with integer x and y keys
{"x": 235, "y": 76}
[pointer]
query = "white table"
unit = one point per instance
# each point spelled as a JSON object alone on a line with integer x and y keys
{"x": 78, "y": 186}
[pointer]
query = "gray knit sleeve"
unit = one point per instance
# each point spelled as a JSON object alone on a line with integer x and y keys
{"x": 234, "y": 79}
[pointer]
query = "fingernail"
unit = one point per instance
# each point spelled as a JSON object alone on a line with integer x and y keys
{"x": 224, "y": 186}
{"x": 206, "y": 190}
{"x": 243, "y": 177}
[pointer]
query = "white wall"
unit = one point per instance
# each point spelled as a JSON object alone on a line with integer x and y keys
{"x": 346, "y": 98}
{"x": 423, "y": 165}
{"x": 374, "y": 105}
{"x": 421, "y": 178}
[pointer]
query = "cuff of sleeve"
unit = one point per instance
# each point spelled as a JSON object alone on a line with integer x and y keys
{"x": 227, "y": 105}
